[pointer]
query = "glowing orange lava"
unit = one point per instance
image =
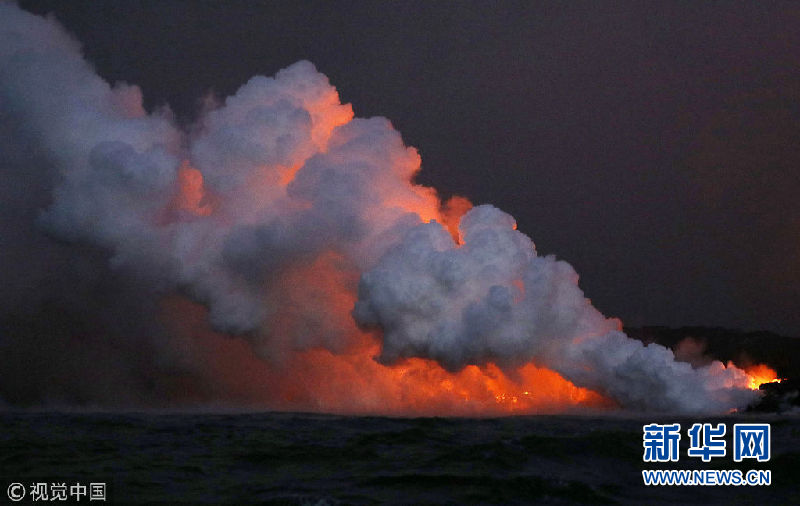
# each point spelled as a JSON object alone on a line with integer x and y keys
{"x": 423, "y": 387}
{"x": 759, "y": 374}
{"x": 353, "y": 382}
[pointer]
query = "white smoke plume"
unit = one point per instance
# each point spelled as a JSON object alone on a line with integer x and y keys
{"x": 493, "y": 299}
{"x": 279, "y": 201}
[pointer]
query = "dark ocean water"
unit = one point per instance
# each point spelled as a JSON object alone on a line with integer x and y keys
{"x": 281, "y": 458}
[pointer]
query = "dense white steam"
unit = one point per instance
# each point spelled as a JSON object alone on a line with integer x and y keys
{"x": 279, "y": 187}
{"x": 494, "y": 300}
{"x": 119, "y": 178}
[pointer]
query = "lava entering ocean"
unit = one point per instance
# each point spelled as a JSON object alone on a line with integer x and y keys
{"x": 760, "y": 374}
{"x": 301, "y": 267}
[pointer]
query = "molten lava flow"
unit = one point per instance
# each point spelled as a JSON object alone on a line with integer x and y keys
{"x": 759, "y": 374}
{"x": 353, "y": 382}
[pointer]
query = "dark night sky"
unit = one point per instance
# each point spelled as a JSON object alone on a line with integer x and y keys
{"x": 653, "y": 146}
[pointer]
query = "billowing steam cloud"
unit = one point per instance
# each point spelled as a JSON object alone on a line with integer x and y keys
{"x": 298, "y": 226}
{"x": 494, "y": 300}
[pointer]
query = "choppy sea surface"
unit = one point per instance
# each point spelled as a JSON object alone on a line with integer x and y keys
{"x": 288, "y": 458}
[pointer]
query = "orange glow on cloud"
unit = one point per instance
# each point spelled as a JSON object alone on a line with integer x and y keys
{"x": 453, "y": 209}
{"x": 191, "y": 195}
{"x": 282, "y": 374}
{"x": 278, "y": 371}
{"x": 327, "y": 113}
{"x": 288, "y": 173}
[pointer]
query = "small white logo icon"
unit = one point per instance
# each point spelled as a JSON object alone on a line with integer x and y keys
{"x": 16, "y": 491}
